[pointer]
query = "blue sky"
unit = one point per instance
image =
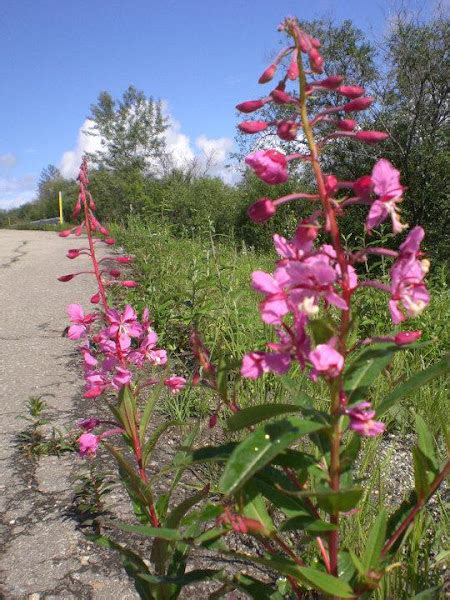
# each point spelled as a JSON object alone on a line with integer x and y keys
{"x": 201, "y": 57}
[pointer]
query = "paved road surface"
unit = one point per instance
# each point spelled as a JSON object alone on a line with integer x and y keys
{"x": 42, "y": 555}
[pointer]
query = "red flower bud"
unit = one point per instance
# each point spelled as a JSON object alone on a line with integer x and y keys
{"x": 66, "y": 277}
{"x": 252, "y": 126}
{"x": 95, "y": 299}
{"x": 346, "y": 124}
{"x": 358, "y": 104}
{"x": 292, "y": 72}
{"x": 350, "y": 91}
{"x": 124, "y": 259}
{"x": 262, "y": 210}
{"x": 407, "y": 337}
{"x": 315, "y": 42}
{"x": 73, "y": 253}
{"x": 281, "y": 97}
{"x": 363, "y": 186}
{"x": 128, "y": 283}
{"x": 196, "y": 378}
{"x": 287, "y": 130}
{"x": 65, "y": 233}
{"x": 268, "y": 74}
{"x": 212, "y": 421}
{"x": 250, "y": 106}
{"x": 110, "y": 241}
{"x": 331, "y": 184}
{"x": 315, "y": 61}
{"x": 330, "y": 83}
{"x": 371, "y": 137}
{"x": 114, "y": 273}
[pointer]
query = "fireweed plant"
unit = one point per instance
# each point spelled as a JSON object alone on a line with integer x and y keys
{"x": 286, "y": 492}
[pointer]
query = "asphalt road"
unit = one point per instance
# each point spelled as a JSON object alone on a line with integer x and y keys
{"x": 42, "y": 554}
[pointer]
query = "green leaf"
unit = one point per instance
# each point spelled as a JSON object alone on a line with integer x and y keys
{"x": 268, "y": 481}
{"x": 429, "y": 594}
{"x": 260, "y": 448}
{"x": 307, "y": 523}
{"x": 148, "y": 409}
{"x": 350, "y": 452}
{"x": 327, "y": 583}
{"x": 374, "y": 542}
{"x": 154, "y": 438}
{"x": 346, "y": 568}
{"x": 343, "y": 500}
{"x": 322, "y": 329}
{"x": 414, "y": 383}
{"x": 252, "y": 587}
{"x": 297, "y": 395}
{"x": 188, "y": 578}
{"x": 421, "y": 481}
{"x": 255, "y": 507}
{"x": 255, "y": 414}
{"x": 362, "y": 371}
{"x": 425, "y": 442}
{"x": 171, "y": 535}
{"x": 127, "y": 411}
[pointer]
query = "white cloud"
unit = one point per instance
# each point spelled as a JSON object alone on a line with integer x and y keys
{"x": 15, "y": 191}
{"x": 7, "y": 160}
{"x": 209, "y": 154}
{"x": 87, "y": 141}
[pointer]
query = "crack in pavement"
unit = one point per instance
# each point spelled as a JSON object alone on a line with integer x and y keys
{"x": 19, "y": 254}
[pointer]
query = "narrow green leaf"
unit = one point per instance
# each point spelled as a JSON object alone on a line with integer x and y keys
{"x": 429, "y": 594}
{"x": 422, "y": 484}
{"x": 327, "y": 583}
{"x": 414, "y": 383}
{"x": 252, "y": 587}
{"x": 148, "y": 409}
{"x": 142, "y": 492}
{"x": 298, "y": 396}
{"x": 255, "y": 414}
{"x": 374, "y": 542}
{"x": 260, "y": 448}
{"x": 425, "y": 441}
{"x": 188, "y": 578}
{"x": 171, "y": 535}
{"x": 362, "y": 371}
{"x": 307, "y": 523}
{"x": 343, "y": 500}
{"x": 127, "y": 410}
{"x": 255, "y": 507}
{"x": 154, "y": 438}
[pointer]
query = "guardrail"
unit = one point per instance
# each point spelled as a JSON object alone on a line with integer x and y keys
{"x": 52, "y": 221}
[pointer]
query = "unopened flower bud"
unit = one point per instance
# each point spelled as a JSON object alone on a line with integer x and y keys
{"x": 407, "y": 337}
{"x": 280, "y": 97}
{"x": 114, "y": 273}
{"x": 73, "y": 253}
{"x": 346, "y": 124}
{"x": 371, "y": 137}
{"x": 358, "y": 104}
{"x": 287, "y": 130}
{"x": 316, "y": 61}
{"x": 66, "y": 277}
{"x": 65, "y": 233}
{"x": 292, "y": 72}
{"x": 331, "y": 184}
{"x": 110, "y": 241}
{"x": 268, "y": 74}
{"x": 124, "y": 259}
{"x": 128, "y": 283}
{"x": 253, "y": 126}
{"x": 330, "y": 83}
{"x": 262, "y": 210}
{"x": 350, "y": 91}
{"x": 95, "y": 299}
{"x": 250, "y": 106}
{"x": 212, "y": 421}
{"x": 196, "y": 378}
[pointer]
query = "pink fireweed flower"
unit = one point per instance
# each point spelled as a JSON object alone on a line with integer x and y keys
{"x": 326, "y": 361}
{"x": 386, "y": 183}
{"x": 362, "y": 420}
{"x": 269, "y": 165}
{"x": 96, "y": 383}
{"x": 409, "y": 296}
{"x": 124, "y": 325}
{"x": 121, "y": 378}
{"x": 262, "y": 210}
{"x": 255, "y": 364}
{"x": 175, "y": 383}
{"x": 88, "y": 444}
{"x": 287, "y": 130}
{"x": 275, "y": 305}
{"x": 80, "y": 321}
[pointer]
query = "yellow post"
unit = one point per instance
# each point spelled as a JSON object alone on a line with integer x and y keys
{"x": 60, "y": 208}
